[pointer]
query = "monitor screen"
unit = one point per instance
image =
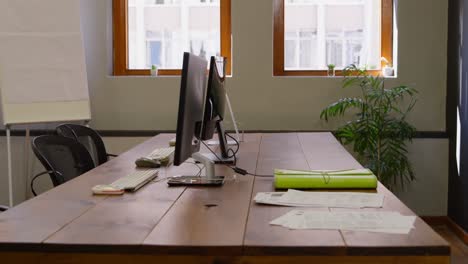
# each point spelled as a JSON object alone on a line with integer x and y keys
{"x": 216, "y": 91}
{"x": 215, "y": 100}
{"x": 191, "y": 107}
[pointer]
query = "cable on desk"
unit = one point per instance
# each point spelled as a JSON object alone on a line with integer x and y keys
{"x": 237, "y": 144}
{"x": 235, "y": 168}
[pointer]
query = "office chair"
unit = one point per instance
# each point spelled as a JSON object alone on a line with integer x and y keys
{"x": 3, "y": 208}
{"x": 63, "y": 158}
{"x": 89, "y": 138}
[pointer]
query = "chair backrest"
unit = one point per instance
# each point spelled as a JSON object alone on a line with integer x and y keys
{"x": 89, "y": 138}
{"x": 64, "y": 157}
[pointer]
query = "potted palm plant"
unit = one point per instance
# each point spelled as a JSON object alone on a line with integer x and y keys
{"x": 379, "y": 131}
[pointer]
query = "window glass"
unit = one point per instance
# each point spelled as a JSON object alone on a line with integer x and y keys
{"x": 339, "y": 32}
{"x": 159, "y": 31}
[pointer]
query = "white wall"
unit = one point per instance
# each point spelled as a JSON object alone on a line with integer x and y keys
{"x": 262, "y": 101}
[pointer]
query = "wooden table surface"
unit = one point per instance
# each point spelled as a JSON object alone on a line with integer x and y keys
{"x": 203, "y": 225}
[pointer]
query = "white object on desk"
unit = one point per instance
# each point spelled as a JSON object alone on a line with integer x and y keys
{"x": 321, "y": 199}
{"x": 369, "y": 221}
{"x": 107, "y": 190}
{"x": 216, "y": 142}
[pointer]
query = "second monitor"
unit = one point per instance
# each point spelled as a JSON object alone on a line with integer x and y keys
{"x": 215, "y": 104}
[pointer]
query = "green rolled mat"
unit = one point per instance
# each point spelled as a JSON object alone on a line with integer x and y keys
{"x": 338, "y": 179}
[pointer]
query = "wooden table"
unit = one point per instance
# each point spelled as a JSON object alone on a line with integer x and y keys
{"x": 159, "y": 224}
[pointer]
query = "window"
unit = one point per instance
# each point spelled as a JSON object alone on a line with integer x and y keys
{"x": 157, "y": 32}
{"x": 311, "y": 34}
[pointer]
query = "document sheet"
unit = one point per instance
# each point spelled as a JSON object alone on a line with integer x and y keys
{"x": 321, "y": 199}
{"x": 370, "y": 221}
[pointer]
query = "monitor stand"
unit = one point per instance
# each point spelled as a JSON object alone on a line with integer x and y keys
{"x": 216, "y": 143}
{"x": 218, "y": 159}
{"x": 223, "y": 157}
{"x": 208, "y": 180}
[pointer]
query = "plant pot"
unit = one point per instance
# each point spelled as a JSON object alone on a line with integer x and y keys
{"x": 154, "y": 72}
{"x": 331, "y": 72}
{"x": 387, "y": 71}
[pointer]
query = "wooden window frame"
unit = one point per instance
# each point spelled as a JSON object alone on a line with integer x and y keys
{"x": 278, "y": 41}
{"x": 120, "y": 41}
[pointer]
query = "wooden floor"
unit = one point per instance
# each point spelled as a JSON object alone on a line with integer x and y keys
{"x": 458, "y": 248}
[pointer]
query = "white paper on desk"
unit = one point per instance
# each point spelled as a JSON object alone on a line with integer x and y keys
{"x": 333, "y": 199}
{"x": 273, "y": 198}
{"x": 321, "y": 199}
{"x": 399, "y": 231}
{"x": 284, "y": 219}
{"x": 268, "y": 197}
{"x": 369, "y": 221}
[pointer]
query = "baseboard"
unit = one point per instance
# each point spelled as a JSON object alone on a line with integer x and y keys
{"x": 447, "y": 221}
{"x": 151, "y": 133}
{"x": 436, "y": 220}
{"x": 462, "y": 234}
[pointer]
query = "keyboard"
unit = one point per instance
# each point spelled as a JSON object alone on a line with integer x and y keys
{"x": 135, "y": 180}
{"x": 164, "y": 155}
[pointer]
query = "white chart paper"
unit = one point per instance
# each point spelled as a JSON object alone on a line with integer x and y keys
{"x": 42, "y": 62}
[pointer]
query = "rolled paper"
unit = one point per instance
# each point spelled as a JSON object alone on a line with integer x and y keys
{"x": 325, "y": 179}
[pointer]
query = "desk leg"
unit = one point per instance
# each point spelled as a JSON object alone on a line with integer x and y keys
{"x": 27, "y": 175}
{"x": 10, "y": 173}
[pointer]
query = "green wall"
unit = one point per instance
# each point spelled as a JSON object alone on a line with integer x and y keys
{"x": 260, "y": 100}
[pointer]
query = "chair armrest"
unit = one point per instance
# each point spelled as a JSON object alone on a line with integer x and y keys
{"x": 35, "y": 177}
{"x": 3, "y": 208}
{"x": 112, "y": 155}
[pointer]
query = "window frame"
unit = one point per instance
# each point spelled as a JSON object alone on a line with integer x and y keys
{"x": 279, "y": 39}
{"x": 120, "y": 40}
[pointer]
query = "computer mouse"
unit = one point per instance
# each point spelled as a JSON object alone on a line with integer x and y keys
{"x": 106, "y": 189}
{"x": 147, "y": 163}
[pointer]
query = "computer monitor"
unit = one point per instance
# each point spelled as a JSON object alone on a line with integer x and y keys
{"x": 215, "y": 104}
{"x": 190, "y": 122}
{"x": 191, "y": 107}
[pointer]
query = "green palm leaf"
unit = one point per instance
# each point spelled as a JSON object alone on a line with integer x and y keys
{"x": 378, "y": 132}
{"x": 340, "y": 107}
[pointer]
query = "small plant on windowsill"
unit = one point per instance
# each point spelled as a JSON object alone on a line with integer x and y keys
{"x": 154, "y": 70}
{"x": 331, "y": 70}
{"x": 379, "y": 131}
{"x": 387, "y": 70}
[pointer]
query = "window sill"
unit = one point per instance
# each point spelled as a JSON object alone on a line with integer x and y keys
{"x": 323, "y": 74}
{"x": 142, "y": 76}
{"x": 147, "y": 72}
{"x": 322, "y": 77}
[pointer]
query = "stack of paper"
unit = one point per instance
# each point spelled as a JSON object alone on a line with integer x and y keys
{"x": 321, "y": 199}
{"x": 384, "y": 222}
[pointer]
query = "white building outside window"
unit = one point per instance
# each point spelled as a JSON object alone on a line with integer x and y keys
{"x": 159, "y": 31}
{"x": 339, "y": 32}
